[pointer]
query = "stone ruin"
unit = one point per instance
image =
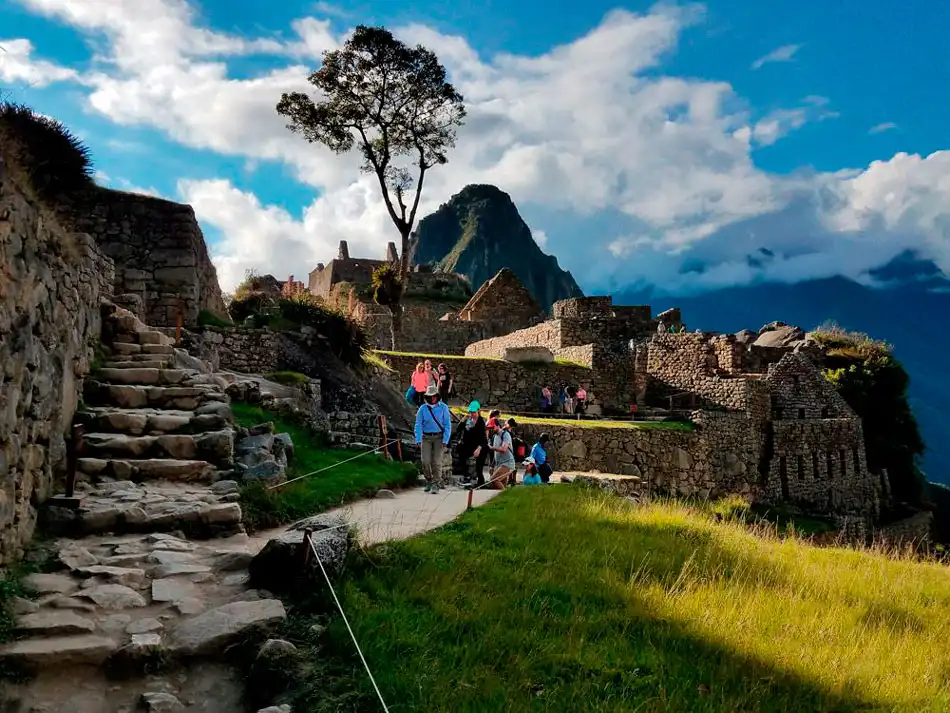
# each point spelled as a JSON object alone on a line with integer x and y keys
{"x": 441, "y": 314}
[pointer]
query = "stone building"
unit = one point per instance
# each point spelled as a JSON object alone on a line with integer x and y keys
{"x": 159, "y": 252}
{"x": 440, "y": 313}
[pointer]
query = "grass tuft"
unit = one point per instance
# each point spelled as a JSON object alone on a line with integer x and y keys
{"x": 358, "y": 478}
{"x": 289, "y": 378}
{"x": 561, "y": 599}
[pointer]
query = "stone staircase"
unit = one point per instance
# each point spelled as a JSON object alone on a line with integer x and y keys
{"x": 151, "y": 568}
{"x": 157, "y": 435}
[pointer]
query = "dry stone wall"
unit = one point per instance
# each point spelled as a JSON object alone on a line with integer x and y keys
{"x": 158, "y": 249}
{"x": 52, "y": 284}
{"x": 496, "y": 383}
{"x": 667, "y": 461}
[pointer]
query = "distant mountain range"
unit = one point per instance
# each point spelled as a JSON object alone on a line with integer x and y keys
{"x": 478, "y": 232}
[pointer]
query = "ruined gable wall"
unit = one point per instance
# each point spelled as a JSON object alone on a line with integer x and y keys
{"x": 158, "y": 250}
{"x": 547, "y": 334}
{"x": 800, "y": 391}
{"x": 52, "y": 283}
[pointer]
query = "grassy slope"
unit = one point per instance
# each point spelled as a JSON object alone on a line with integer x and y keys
{"x": 562, "y": 600}
{"x": 349, "y": 481}
{"x": 589, "y": 423}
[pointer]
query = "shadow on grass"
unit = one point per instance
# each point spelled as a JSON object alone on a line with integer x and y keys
{"x": 532, "y": 604}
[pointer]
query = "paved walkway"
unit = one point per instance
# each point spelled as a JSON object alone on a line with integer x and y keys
{"x": 409, "y": 513}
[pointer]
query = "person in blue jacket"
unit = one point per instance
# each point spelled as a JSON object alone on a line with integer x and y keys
{"x": 539, "y": 455}
{"x": 531, "y": 476}
{"x": 433, "y": 433}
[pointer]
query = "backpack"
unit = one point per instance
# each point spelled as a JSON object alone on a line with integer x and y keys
{"x": 411, "y": 395}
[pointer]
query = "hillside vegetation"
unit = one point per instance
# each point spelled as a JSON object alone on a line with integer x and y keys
{"x": 874, "y": 383}
{"x": 563, "y": 599}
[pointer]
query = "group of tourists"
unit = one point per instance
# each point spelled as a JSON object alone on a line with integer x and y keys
{"x": 425, "y": 376}
{"x": 572, "y": 400}
{"x": 494, "y": 443}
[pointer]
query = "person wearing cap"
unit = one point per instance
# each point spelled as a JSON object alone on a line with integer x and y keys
{"x": 473, "y": 442}
{"x": 531, "y": 476}
{"x": 433, "y": 433}
{"x": 503, "y": 449}
{"x": 517, "y": 449}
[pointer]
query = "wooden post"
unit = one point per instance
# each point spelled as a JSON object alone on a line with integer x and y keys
{"x": 399, "y": 450}
{"x": 304, "y": 552}
{"x": 384, "y": 436}
{"x": 469, "y": 507}
{"x": 74, "y": 448}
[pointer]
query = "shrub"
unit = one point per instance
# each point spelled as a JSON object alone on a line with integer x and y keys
{"x": 207, "y": 318}
{"x": 344, "y": 335}
{"x": 387, "y": 287}
{"x": 874, "y": 384}
{"x": 257, "y": 306}
{"x": 57, "y": 162}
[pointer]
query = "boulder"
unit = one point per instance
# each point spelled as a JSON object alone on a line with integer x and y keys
{"x": 278, "y": 567}
{"x": 54, "y": 623}
{"x": 210, "y": 633}
{"x": 59, "y": 651}
{"x": 779, "y": 334}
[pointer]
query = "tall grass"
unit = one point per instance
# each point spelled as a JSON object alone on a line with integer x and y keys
{"x": 563, "y": 600}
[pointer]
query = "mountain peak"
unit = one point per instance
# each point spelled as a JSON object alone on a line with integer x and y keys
{"x": 478, "y": 232}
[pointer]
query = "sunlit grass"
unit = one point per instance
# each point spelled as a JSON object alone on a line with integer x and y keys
{"x": 562, "y": 599}
{"x": 589, "y": 423}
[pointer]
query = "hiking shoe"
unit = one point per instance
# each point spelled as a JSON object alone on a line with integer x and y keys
{"x": 428, "y": 488}
{"x": 435, "y": 490}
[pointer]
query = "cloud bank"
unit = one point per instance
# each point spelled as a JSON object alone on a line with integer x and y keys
{"x": 656, "y": 172}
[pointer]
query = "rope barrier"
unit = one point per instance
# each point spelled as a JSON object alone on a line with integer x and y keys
{"x": 346, "y": 621}
{"x": 321, "y": 470}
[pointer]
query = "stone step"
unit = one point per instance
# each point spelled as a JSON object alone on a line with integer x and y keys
{"x": 142, "y": 375}
{"x": 144, "y": 338}
{"x": 146, "y": 361}
{"x": 186, "y": 398}
{"x": 137, "y": 470}
{"x": 214, "y": 446}
{"x": 155, "y": 422}
{"x": 59, "y": 651}
{"x": 123, "y": 507}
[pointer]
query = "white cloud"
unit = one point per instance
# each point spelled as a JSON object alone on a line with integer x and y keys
{"x": 653, "y": 170}
{"x": 540, "y": 237}
{"x": 785, "y": 53}
{"x": 881, "y": 128}
{"x": 17, "y": 65}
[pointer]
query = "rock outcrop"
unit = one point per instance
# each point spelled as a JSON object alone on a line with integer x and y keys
{"x": 479, "y": 232}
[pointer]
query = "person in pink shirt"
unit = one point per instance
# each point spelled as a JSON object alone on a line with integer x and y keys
{"x": 420, "y": 382}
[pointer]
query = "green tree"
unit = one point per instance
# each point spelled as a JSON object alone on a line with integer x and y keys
{"x": 392, "y": 104}
{"x": 874, "y": 383}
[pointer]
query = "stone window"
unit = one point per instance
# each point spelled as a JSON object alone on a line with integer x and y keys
{"x": 783, "y": 476}
{"x": 831, "y": 470}
{"x": 824, "y": 412}
{"x": 814, "y": 465}
{"x": 857, "y": 460}
{"x": 801, "y": 468}
{"x": 844, "y": 462}
{"x": 797, "y": 380}
{"x": 801, "y": 414}
{"x": 776, "y": 414}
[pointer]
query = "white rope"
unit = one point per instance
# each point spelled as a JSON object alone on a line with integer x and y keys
{"x": 321, "y": 470}
{"x": 348, "y": 627}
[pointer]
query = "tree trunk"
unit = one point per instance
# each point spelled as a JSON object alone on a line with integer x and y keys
{"x": 404, "y": 261}
{"x": 396, "y": 325}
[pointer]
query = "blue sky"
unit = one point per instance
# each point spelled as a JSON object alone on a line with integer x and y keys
{"x": 636, "y": 138}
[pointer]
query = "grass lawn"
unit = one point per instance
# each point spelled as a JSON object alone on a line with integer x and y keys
{"x": 443, "y": 357}
{"x": 565, "y": 600}
{"x": 575, "y": 423}
{"x": 358, "y": 478}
